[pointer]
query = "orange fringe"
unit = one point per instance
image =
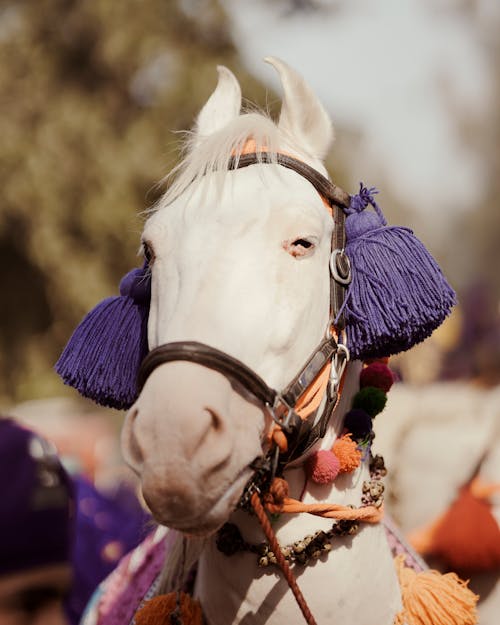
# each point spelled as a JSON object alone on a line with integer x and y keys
{"x": 430, "y": 598}
{"x": 158, "y": 610}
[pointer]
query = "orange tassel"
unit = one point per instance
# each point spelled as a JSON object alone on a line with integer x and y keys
{"x": 347, "y": 453}
{"x": 469, "y": 537}
{"x": 158, "y": 610}
{"x": 466, "y": 536}
{"x": 430, "y": 598}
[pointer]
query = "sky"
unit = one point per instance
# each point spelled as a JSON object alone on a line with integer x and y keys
{"x": 396, "y": 71}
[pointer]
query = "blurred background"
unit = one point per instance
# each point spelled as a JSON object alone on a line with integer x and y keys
{"x": 93, "y": 95}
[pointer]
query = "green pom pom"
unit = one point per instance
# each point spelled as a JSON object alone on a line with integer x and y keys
{"x": 370, "y": 399}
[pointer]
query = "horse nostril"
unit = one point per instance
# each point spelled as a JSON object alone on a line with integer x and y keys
{"x": 216, "y": 419}
{"x": 131, "y": 450}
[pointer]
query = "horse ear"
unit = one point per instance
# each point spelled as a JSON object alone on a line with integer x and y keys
{"x": 222, "y": 106}
{"x": 302, "y": 114}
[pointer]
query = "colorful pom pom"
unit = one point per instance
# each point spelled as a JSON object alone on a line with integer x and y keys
{"x": 370, "y": 399}
{"x": 347, "y": 453}
{"x": 322, "y": 467}
{"x": 359, "y": 424}
{"x": 377, "y": 375}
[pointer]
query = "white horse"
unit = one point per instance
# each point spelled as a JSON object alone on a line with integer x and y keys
{"x": 239, "y": 261}
{"x": 247, "y": 276}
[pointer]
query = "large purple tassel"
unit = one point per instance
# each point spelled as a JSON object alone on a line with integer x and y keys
{"x": 398, "y": 294}
{"x": 102, "y": 358}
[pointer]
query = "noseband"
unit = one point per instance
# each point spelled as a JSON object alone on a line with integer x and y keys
{"x": 300, "y": 433}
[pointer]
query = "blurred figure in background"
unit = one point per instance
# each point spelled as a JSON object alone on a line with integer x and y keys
{"x": 36, "y": 529}
{"x": 108, "y": 525}
{"x": 59, "y": 536}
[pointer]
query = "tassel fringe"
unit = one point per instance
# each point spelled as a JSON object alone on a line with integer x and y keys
{"x": 398, "y": 294}
{"x": 430, "y": 598}
{"x": 169, "y": 609}
{"x": 102, "y": 358}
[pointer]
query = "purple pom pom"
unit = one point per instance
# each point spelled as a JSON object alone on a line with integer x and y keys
{"x": 358, "y": 224}
{"x": 137, "y": 285}
{"x": 358, "y": 423}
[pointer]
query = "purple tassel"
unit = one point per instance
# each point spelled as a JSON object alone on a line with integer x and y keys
{"x": 398, "y": 294}
{"x": 102, "y": 358}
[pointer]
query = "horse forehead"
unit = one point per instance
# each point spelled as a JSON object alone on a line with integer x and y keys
{"x": 258, "y": 194}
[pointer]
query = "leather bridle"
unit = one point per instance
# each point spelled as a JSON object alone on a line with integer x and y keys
{"x": 300, "y": 433}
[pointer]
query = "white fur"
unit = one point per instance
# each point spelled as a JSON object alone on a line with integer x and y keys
{"x": 222, "y": 276}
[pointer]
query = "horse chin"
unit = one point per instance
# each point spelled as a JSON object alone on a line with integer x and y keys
{"x": 209, "y": 520}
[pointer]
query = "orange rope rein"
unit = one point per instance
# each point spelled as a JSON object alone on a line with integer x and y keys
{"x": 277, "y": 501}
{"x": 280, "y": 558}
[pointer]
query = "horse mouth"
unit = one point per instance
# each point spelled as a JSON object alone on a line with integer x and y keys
{"x": 211, "y": 519}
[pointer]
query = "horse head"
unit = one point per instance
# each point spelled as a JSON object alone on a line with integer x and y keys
{"x": 245, "y": 280}
{"x": 239, "y": 261}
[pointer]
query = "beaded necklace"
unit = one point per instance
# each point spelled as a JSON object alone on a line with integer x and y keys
{"x": 323, "y": 466}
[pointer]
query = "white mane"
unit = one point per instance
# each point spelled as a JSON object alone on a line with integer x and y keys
{"x": 213, "y": 153}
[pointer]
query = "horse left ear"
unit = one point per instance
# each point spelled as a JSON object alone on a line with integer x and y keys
{"x": 222, "y": 106}
{"x": 302, "y": 114}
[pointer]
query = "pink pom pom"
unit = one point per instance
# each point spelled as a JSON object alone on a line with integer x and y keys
{"x": 322, "y": 466}
{"x": 377, "y": 375}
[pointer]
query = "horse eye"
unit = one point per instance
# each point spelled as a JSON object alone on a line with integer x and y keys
{"x": 302, "y": 243}
{"x": 298, "y": 248}
{"x": 148, "y": 252}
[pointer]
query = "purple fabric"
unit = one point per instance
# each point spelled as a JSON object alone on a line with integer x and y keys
{"x": 102, "y": 358}
{"x": 107, "y": 527}
{"x": 36, "y": 525}
{"x": 398, "y": 294}
{"x": 126, "y": 588}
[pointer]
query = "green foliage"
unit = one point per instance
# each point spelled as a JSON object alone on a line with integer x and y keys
{"x": 90, "y": 94}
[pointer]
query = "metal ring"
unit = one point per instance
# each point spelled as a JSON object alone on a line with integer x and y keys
{"x": 334, "y": 268}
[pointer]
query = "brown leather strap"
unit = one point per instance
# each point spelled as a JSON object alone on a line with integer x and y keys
{"x": 210, "y": 357}
{"x": 333, "y": 194}
{"x": 322, "y": 354}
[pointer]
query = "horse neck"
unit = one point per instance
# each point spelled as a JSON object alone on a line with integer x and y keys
{"x": 236, "y": 590}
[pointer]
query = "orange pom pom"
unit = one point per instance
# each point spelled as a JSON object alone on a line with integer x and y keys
{"x": 347, "y": 452}
{"x": 158, "y": 610}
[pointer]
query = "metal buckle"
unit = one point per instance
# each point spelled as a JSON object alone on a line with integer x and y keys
{"x": 335, "y": 267}
{"x": 283, "y": 422}
{"x": 339, "y": 363}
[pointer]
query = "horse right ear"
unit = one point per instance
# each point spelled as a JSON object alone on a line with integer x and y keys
{"x": 302, "y": 114}
{"x": 223, "y": 105}
{"x": 103, "y": 356}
